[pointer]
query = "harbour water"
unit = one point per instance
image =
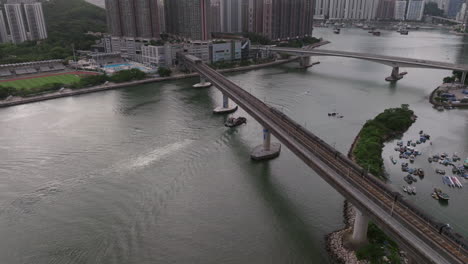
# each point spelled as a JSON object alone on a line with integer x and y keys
{"x": 149, "y": 175}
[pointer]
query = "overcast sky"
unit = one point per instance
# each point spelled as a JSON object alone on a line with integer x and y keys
{"x": 97, "y": 2}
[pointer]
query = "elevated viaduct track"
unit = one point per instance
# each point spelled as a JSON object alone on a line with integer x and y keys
{"x": 415, "y": 232}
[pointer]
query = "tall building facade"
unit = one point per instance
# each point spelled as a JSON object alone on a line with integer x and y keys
{"x": 35, "y": 20}
{"x": 400, "y": 10}
{"x": 214, "y": 16}
{"x": 187, "y": 18}
{"x": 360, "y": 9}
{"x": 321, "y": 9}
{"x": 282, "y": 19}
{"x": 454, "y": 7}
{"x": 231, "y": 16}
{"x": 386, "y": 9}
{"x": 16, "y": 23}
{"x": 337, "y": 9}
{"x": 415, "y": 10}
{"x": 134, "y": 18}
{"x": 3, "y": 28}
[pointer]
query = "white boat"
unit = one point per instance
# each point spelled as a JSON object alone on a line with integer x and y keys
{"x": 450, "y": 181}
{"x": 405, "y": 189}
{"x": 457, "y": 182}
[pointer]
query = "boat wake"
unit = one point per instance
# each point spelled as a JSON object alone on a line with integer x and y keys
{"x": 157, "y": 154}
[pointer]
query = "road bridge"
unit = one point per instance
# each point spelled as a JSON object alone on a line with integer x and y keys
{"x": 395, "y": 62}
{"x": 422, "y": 237}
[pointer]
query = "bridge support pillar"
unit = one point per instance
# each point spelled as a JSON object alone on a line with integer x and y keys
{"x": 202, "y": 84}
{"x": 463, "y": 78}
{"x": 361, "y": 223}
{"x": 267, "y": 150}
{"x": 226, "y": 108}
{"x": 304, "y": 62}
{"x": 395, "y": 76}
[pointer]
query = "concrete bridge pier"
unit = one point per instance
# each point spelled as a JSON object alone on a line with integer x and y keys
{"x": 395, "y": 76}
{"x": 226, "y": 108}
{"x": 304, "y": 62}
{"x": 267, "y": 150}
{"x": 202, "y": 84}
{"x": 463, "y": 78}
{"x": 358, "y": 238}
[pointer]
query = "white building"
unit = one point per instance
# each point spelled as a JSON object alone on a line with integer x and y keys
{"x": 3, "y": 29}
{"x": 461, "y": 14}
{"x": 415, "y": 10}
{"x": 400, "y": 10}
{"x": 153, "y": 55}
{"x": 226, "y": 51}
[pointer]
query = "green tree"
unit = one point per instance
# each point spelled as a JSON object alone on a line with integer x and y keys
{"x": 164, "y": 72}
{"x": 432, "y": 9}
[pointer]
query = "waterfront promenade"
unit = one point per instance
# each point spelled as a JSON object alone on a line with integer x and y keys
{"x": 112, "y": 86}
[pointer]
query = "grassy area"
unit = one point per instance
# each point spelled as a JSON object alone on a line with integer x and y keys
{"x": 41, "y": 81}
{"x": 387, "y": 125}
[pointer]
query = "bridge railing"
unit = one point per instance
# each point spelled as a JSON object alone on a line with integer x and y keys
{"x": 356, "y": 169}
{"x": 408, "y": 206}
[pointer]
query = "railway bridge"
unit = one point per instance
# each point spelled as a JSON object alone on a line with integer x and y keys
{"x": 395, "y": 62}
{"x": 425, "y": 239}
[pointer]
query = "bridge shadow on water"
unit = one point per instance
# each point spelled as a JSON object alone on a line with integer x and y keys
{"x": 293, "y": 223}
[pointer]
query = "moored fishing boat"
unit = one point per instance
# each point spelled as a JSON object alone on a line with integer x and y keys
{"x": 441, "y": 195}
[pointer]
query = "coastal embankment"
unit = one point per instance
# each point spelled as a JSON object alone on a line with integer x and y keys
{"x": 112, "y": 86}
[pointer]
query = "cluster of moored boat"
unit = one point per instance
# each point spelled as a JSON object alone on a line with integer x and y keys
{"x": 335, "y": 114}
{"x": 409, "y": 189}
{"x": 452, "y": 181}
{"x": 407, "y": 150}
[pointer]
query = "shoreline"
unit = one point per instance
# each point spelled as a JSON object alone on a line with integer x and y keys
{"x": 334, "y": 241}
{"x": 99, "y": 88}
{"x": 435, "y": 104}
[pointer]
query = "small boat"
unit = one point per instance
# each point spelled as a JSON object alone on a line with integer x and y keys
{"x": 452, "y": 184}
{"x": 411, "y": 158}
{"x": 407, "y": 180}
{"x": 441, "y": 195}
{"x": 429, "y": 159}
{"x": 421, "y": 132}
{"x": 413, "y": 190}
{"x": 434, "y": 195}
{"x": 405, "y": 189}
{"x": 233, "y": 122}
{"x": 336, "y": 31}
{"x": 441, "y": 172}
{"x": 465, "y": 164}
{"x": 404, "y": 32}
{"x": 455, "y": 157}
{"x": 457, "y": 182}
{"x": 420, "y": 172}
{"x": 393, "y": 160}
{"x": 376, "y": 33}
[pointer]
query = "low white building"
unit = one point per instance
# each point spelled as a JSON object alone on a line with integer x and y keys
{"x": 225, "y": 51}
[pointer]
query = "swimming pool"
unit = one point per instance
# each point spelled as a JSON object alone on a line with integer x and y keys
{"x": 116, "y": 65}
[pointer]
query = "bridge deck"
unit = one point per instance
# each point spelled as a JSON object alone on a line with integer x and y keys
{"x": 371, "y": 196}
{"x": 389, "y": 60}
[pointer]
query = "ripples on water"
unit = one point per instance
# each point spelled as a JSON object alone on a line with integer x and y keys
{"x": 149, "y": 175}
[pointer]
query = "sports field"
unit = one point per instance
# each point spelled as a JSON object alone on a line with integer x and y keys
{"x": 40, "y": 81}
